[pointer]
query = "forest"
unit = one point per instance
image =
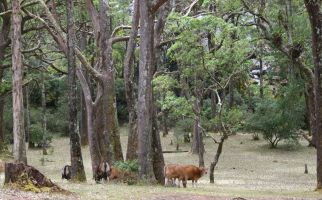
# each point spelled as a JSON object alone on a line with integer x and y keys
{"x": 160, "y": 99}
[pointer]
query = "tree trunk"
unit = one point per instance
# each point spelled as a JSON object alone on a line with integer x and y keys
{"x": 100, "y": 130}
{"x": 44, "y": 118}
{"x": 94, "y": 149}
{"x": 109, "y": 97}
{"x": 213, "y": 104}
{"x": 158, "y": 159}
{"x": 231, "y": 98}
{"x": 82, "y": 121}
{"x": 145, "y": 101}
{"x": 165, "y": 123}
{"x": 313, "y": 8}
{"x": 19, "y": 147}
{"x": 77, "y": 167}
{"x": 27, "y": 93}
{"x": 197, "y": 143}
{"x": 132, "y": 143}
{"x": 216, "y": 158}
{"x": 2, "y": 104}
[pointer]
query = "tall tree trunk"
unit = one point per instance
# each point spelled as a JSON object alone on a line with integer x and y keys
{"x": 164, "y": 119}
{"x": 44, "y": 118}
{"x": 313, "y": 8}
{"x": 82, "y": 121}
{"x": 132, "y": 143}
{"x": 2, "y": 104}
{"x": 158, "y": 159}
{"x": 100, "y": 129}
{"x": 19, "y": 146}
{"x": 145, "y": 101}
{"x": 96, "y": 156}
{"x": 216, "y": 158}
{"x": 111, "y": 119}
{"x": 109, "y": 96}
{"x": 27, "y": 93}
{"x": 77, "y": 167}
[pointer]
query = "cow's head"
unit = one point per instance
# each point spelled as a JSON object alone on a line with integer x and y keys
{"x": 203, "y": 170}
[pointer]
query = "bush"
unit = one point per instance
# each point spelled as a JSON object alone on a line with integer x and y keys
{"x": 129, "y": 166}
{"x": 279, "y": 119}
{"x": 36, "y": 136}
{"x": 233, "y": 118}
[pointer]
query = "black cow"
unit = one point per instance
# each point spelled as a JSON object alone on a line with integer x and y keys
{"x": 66, "y": 172}
{"x": 102, "y": 172}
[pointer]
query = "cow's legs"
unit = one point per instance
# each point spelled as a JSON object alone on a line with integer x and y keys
{"x": 165, "y": 181}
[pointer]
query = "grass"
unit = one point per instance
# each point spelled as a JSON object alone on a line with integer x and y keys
{"x": 246, "y": 168}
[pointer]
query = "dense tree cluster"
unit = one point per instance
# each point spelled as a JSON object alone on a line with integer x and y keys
{"x": 195, "y": 67}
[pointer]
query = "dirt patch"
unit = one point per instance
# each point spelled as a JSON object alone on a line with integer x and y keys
{"x": 9, "y": 194}
{"x": 203, "y": 197}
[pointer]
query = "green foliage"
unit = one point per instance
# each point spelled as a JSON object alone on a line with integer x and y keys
{"x": 36, "y": 136}
{"x": 279, "y": 119}
{"x": 129, "y": 166}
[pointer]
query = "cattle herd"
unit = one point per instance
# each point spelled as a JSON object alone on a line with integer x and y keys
{"x": 174, "y": 174}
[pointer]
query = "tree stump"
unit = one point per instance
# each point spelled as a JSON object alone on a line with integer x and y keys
{"x": 25, "y": 177}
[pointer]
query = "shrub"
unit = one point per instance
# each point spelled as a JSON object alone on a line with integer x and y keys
{"x": 278, "y": 119}
{"x": 36, "y": 136}
{"x": 129, "y": 166}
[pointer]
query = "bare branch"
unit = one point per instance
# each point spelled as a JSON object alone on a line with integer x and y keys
{"x": 189, "y": 8}
{"x": 32, "y": 49}
{"x": 119, "y": 28}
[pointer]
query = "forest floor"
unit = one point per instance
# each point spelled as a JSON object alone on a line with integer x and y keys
{"x": 247, "y": 169}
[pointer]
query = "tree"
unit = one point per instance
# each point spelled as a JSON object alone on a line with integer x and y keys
{"x": 132, "y": 144}
{"x": 4, "y": 44}
{"x": 314, "y": 11}
{"x": 145, "y": 97}
{"x": 19, "y": 147}
{"x": 77, "y": 167}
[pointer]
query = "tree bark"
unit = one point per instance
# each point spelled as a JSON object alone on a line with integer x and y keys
{"x": 216, "y": 158}
{"x": 94, "y": 149}
{"x": 27, "y": 93}
{"x": 77, "y": 167}
{"x": 82, "y": 121}
{"x": 313, "y": 8}
{"x": 19, "y": 147}
{"x": 132, "y": 143}
{"x": 44, "y": 117}
{"x": 109, "y": 96}
{"x": 2, "y": 104}
{"x": 145, "y": 101}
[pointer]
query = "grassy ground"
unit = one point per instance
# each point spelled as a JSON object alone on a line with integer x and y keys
{"x": 246, "y": 169}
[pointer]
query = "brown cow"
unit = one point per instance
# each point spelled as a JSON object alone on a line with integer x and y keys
{"x": 171, "y": 173}
{"x": 191, "y": 172}
{"x": 116, "y": 173}
{"x": 183, "y": 173}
